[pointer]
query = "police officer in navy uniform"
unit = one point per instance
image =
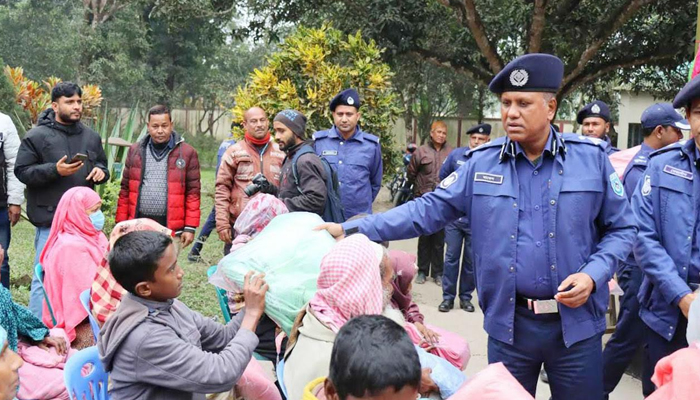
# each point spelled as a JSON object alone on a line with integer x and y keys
{"x": 458, "y": 236}
{"x": 661, "y": 126}
{"x": 355, "y": 155}
{"x": 594, "y": 117}
{"x": 551, "y": 221}
{"x": 665, "y": 203}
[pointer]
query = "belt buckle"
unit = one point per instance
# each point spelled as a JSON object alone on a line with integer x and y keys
{"x": 545, "y": 306}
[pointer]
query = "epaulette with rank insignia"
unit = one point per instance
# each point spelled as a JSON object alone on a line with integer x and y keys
{"x": 371, "y": 137}
{"x": 320, "y": 135}
{"x": 674, "y": 146}
{"x": 497, "y": 143}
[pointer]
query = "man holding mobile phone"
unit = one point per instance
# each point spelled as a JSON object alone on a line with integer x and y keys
{"x": 47, "y": 163}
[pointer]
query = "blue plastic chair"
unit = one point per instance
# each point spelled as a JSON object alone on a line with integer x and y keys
{"x": 85, "y": 301}
{"x": 39, "y": 272}
{"x": 223, "y": 304}
{"x": 92, "y": 386}
{"x": 221, "y": 296}
{"x": 279, "y": 369}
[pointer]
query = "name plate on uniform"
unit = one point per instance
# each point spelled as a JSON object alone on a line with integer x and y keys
{"x": 329, "y": 153}
{"x": 681, "y": 173}
{"x": 488, "y": 178}
{"x": 545, "y": 306}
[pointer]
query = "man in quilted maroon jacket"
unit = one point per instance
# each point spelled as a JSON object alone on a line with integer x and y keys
{"x": 161, "y": 179}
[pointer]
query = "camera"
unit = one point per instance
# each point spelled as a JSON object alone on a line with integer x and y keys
{"x": 260, "y": 184}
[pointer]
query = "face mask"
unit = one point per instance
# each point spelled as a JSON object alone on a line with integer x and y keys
{"x": 98, "y": 220}
{"x": 693, "y": 333}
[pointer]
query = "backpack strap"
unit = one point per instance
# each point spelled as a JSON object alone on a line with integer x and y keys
{"x": 304, "y": 149}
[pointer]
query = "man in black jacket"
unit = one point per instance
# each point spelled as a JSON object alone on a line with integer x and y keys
{"x": 58, "y": 154}
{"x": 310, "y": 192}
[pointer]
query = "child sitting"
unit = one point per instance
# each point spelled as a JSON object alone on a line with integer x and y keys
{"x": 372, "y": 358}
{"x": 154, "y": 346}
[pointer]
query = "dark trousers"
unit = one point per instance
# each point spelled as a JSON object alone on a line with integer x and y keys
{"x": 657, "y": 347}
{"x": 574, "y": 373}
{"x": 5, "y": 243}
{"x": 629, "y": 332}
{"x": 431, "y": 253}
{"x": 209, "y": 226}
{"x": 458, "y": 239}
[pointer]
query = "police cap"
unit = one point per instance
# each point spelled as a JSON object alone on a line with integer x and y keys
{"x": 347, "y": 97}
{"x": 483, "y": 129}
{"x": 536, "y": 72}
{"x": 594, "y": 109}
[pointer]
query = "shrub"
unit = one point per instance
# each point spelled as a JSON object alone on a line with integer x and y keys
{"x": 311, "y": 67}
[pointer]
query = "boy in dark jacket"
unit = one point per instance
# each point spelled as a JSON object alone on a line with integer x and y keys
{"x": 58, "y": 154}
{"x": 154, "y": 346}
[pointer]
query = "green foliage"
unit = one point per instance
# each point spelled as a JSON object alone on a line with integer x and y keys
{"x": 311, "y": 67}
{"x": 109, "y": 192}
{"x": 207, "y": 148}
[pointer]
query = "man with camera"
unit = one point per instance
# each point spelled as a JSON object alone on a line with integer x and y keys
{"x": 248, "y": 167}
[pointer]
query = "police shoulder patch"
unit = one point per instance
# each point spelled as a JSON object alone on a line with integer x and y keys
{"x": 449, "y": 181}
{"x": 646, "y": 187}
{"x": 616, "y": 185}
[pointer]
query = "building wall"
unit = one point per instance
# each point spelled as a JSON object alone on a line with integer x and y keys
{"x": 631, "y": 107}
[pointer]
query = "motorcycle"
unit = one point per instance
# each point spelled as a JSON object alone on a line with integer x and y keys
{"x": 401, "y": 190}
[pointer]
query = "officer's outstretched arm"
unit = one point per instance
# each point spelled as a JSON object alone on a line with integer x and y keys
{"x": 649, "y": 253}
{"x": 618, "y": 228}
{"x": 422, "y": 216}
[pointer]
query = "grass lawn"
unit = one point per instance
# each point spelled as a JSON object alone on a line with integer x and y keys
{"x": 198, "y": 294}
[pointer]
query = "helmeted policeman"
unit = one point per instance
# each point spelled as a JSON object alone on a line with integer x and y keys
{"x": 458, "y": 236}
{"x": 665, "y": 203}
{"x": 355, "y": 155}
{"x": 661, "y": 126}
{"x": 594, "y": 117}
{"x": 551, "y": 222}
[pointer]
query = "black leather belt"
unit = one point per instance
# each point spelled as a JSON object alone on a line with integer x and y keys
{"x": 538, "y": 306}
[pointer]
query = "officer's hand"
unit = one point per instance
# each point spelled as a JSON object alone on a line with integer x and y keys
{"x": 186, "y": 238}
{"x": 225, "y": 236}
{"x": 581, "y": 287}
{"x": 65, "y": 169}
{"x": 14, "y": 211}
{"x": 336, "y": 230}
{"x": 685, "y": 303}
{"x": 96, "y": 175}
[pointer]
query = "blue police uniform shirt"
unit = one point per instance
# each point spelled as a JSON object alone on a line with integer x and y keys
{"x": 588, "y": 227}
{"x": 532, "y": 275}
{"x": 358, "y": 163}
{"x": 694, "y": 273}
{"x": 635, "y": 169}
{"x": 610, "y": 149}
{"x": 454, "y": 160}
{"x": 665, "y": 206}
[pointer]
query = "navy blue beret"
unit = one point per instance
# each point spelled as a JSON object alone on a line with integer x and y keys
{"x": 690, "y": 91}
{"x": 484, "y": 129}
{"x": 536, "y": 72}
{"x": 594, "y": 109}
{"x": 347, "y": 97}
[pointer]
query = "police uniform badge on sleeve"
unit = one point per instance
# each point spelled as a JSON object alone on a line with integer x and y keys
{"x": 447, "y": 182}
{"x": 646, "y": 187}
{"x": 617, "y": 184}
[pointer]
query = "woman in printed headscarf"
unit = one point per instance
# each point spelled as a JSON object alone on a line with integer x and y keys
{"x": 44, "y": 352}
{"x": 349, "y": 285}
{"x": 74, "y": 249}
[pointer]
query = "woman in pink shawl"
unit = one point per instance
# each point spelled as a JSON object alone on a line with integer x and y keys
{"x": 74, "y": 249}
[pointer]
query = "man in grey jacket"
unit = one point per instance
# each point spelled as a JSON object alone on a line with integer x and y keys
{"x": 154, "y": 346}
{"x": 11, "y": 190}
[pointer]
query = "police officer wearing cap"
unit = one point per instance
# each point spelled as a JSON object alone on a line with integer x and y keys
{"x": 458, "y": 236}
{"x": 355, "y": 155}
{"x": 666, "y": 205}
{"x": 552, "y": 221}
{"x": 661, "y": 126}
{"x": 595, "y": 119}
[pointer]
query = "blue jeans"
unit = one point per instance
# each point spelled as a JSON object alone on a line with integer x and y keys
{"x": 5, "y": 243}
{"x": 574, "y": 373}
{"x": 36, "y": 297}
{"x": 458, "y": 239}
{"x": 629, "y": 332}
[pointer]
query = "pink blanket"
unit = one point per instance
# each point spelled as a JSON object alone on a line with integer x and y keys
{"x": 678, "y": 376}
{"x": 451, "y": 347}
{"x": 492, "y": 383}
{"x": 621, "y": 159}
{"x": 255, "y": 385}
{"x": 41, "y": 376}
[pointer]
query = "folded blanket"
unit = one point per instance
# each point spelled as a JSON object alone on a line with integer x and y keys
{"x": 41, "y": 376}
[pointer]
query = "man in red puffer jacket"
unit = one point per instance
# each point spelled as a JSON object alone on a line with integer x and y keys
{"x": 161, "y": 179}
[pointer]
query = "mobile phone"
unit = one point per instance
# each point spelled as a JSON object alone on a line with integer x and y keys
{"x": 78, "y": 157}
